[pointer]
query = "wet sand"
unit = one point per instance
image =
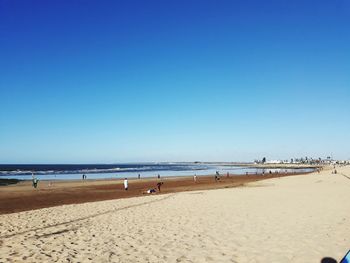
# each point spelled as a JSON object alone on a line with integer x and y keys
{"x": 23, "y": 197}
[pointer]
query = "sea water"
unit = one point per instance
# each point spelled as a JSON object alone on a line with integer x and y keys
{"x": 117, "y": 171}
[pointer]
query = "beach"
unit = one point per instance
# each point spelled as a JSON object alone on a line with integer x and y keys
{"x": 301, "y": 218}
{"x": 22, "y": 196}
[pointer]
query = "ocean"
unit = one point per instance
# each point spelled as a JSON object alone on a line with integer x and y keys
{"x": 109, "y": 171}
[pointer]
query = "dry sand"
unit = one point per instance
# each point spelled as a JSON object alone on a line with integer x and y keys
{"x": 292, "y": 219}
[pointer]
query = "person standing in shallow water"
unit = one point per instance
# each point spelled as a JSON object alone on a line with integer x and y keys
{"x": 126, "y": 184}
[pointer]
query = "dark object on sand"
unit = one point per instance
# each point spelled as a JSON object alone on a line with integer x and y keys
{"x": 4, "y": 182}
{"x": 328, "y": 260}
{"x": 151, "y": 191}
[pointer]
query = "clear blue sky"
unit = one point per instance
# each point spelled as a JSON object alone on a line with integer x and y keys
{"x": 126, "y": 81}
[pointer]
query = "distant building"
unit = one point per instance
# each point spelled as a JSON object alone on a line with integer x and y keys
{"x": 274, "y": 161}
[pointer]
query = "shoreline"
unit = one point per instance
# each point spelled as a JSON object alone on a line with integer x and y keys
{"x": 245, "y": 169}
{"x": 23, "y": 197}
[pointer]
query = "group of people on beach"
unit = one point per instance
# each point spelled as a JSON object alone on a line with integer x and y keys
{"x": 35, "y": 180}
{"x": 149, "y": 191}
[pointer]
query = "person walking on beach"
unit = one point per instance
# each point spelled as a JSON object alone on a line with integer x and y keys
{"x": 159, "y": 184}
{"x": 35, "y": 182}
{"x": 195, "y": 178}
{"x": 139, "y": 176}
{"x": 216, "y": 176}
{"x": 158, "y": 176}
{"x": 126, "y": 184}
